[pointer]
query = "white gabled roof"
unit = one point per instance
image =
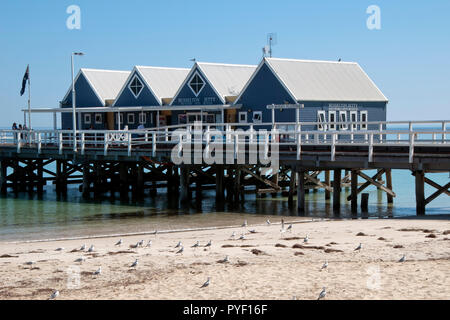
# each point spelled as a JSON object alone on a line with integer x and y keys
{"x": 227, "y": 79}
{"x": 105, "y": 83}
{"x": 309, "y": 80}
{"x": 163, "y": 82}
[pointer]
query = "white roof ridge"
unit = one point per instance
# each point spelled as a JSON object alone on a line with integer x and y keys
{"x": 107, "y": 70}
{"x": 158, "y": 67}
{"x": 312, "y": 61}
{"x": 227, "y": 64}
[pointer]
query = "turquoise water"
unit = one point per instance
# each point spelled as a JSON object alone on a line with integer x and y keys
{"x": 30, "y": 217}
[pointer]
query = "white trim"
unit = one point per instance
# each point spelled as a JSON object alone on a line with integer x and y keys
{"x": 140, "y": 81}
{"x": 142, "y": 117}
{"x": 321, "y": 127}
{"x": 331, "y": 125}
{"x": 354, "y": 113}
{"x": 343, "y": 119}
{"x": 260, "y": 116}
{"x": 85, "y": 116}
{"x": 119, "y": 115}
{"x": 101, "y": 118}
{"x": 196, "y": 73}
{"x": 242, "y": 113}
{"x": 361, "y": 114}
{"x": 128, "y": 118}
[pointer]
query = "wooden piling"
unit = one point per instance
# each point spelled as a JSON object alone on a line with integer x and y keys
{"x": 390, "y": 198}
{"x": 219, "y": 184}
{"x": 301, "y": 192}
{"x": 292, "y": 186}
{"x": 420, "y": 192}
{"x": 337, "y": 190}
{"x": 86, "y": 181}
{"x": 364, "y": 202}
{"x": 327, "y": 182}
{"x": 354, "y": 191}
{"x": 3, "y": 176}
{"x": 184, "y": 184}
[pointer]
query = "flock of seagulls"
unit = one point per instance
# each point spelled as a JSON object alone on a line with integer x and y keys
{"x": 180, "y": 248}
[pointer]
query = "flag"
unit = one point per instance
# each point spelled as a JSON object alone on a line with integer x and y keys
{"x": 25, "y": 78}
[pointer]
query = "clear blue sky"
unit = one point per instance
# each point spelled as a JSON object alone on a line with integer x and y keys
{"x": 409, "y": 58}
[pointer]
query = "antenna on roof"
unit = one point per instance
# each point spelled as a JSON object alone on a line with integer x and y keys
{"x": 271, "y": 41}
{"x": 193, "y": 60}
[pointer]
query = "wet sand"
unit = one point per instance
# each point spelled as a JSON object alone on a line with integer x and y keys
{"x": 265, "y": 265}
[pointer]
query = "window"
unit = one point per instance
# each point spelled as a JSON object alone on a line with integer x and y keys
{"x": 257, "y": 116}
{"x": 196, "y": 84}
{"x": 136, "y": 86}
{"x": 353, "y": 119}
{"x": 142, "y": 118}
{"x": 242, "y": 117}
{"x": 98, "y": 118}
{"x": 130, "y": 118}
{"x": 332, "y": 119}
{"x": 87, "y": 118}
{"x": 209, "y": 118}
{"x": 321, "y": 120}
{"x": 363, "y": 118}
{"x": 343, "y": 118}
{"x": 119, "y": 118}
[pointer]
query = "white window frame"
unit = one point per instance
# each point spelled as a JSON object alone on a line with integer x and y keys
{"x": 332, "y": 124}
{"x": 128, "y": 118}
{"x": 343, "y": 118}
{"x": 189, "y": 83}
{"x": 142, "y": 118}
{"x": 321, "y": 126}
{"x": 86, "y": 117}
{"x": 119, "y": 117}
{"x": 361, "y": 114}
{"x": 260, "y": 115}
{"x": 353, "y": 121}
{"x": 129, "y": 86}
{"x": 243, "y": 113}
{"x": 101, "y": 118}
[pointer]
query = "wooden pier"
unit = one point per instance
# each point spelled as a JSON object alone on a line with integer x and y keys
{"x": 140, "y": 162}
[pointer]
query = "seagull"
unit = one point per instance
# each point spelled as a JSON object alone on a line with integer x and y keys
{"x": 91, "y": 248}
{"x": 59, "y": 249}
{"x": 306, "y": 239}
{"x": 282, "y": 223}
{"x": 268, "y": 222}
{"x": 83, "y": 247}
{"x": 99, "y": 270}
{"x": 54, "y": 295}
{"x": 402, "y": 259}
{"x": 119, "y": 242}
{"x": 322, "y": 294}
{"x": 205, "y": 284}
{"x": 289, "y": 228}
{"x": 241, "y": 237}
{"x": 358, "y": 247}
{"x": 244, "y": 224}
{"x": 81, "y": 259}
{"x": 325, "y": 265}
{"x": 178, "y": 244}
{"x": 140, "y": 243}
{"x": 197, "y": 244}
{"x": 30, "y": 263}
{"x": 135, "y": 263}
{"x": 181, "y": 250}
{"x": 225, "y": 260}
{"x": 282, "y": 230}
{"x": 252, "y": 231}
{"x": 233, "y": 235}
{"x": 149, "y": 243}
{"x": 155, "y": 232}
{"x": 208, "y": 244}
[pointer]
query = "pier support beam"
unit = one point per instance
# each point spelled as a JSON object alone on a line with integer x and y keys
{"x": 184, "y": 184}
{"x": 390, "y": 198}
{"x": 292, "y": 187}
{"x": 337, "y": 190}
{"x": 301, "y": 192}
{"x": 219, "y": 184}
{"x": 327, "y": 182}
{"x": 86, "y": 181}
{"x": 123, "y": 178}
{"x": 420, "y": 192}
{"x": 3, "y": 176}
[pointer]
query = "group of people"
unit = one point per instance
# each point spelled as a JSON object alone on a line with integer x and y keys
{"x": 15, "y": 127}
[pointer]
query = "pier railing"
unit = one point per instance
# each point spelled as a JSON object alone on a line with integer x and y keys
{"x": 286, "y": 136}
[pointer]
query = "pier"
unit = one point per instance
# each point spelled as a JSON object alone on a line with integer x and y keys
{"x": 142, "y": 161}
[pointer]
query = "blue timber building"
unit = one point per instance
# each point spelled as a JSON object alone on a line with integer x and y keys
{"x": 328, "y": 92}
{"x": 94, "y": 88}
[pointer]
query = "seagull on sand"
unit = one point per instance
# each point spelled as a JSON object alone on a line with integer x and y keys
{"x": 83, "y": 247}
{"x": 402, "y": 259}
{"x": 54, "y": 295}
{"x": 306, "y": 239}
{"x": 196, "y": 245}
{"x": 140, "y": 243}
{"x": 206, "y": 283}
{"x": 233, "y": 235}
{"x": 155, "y": 232}
{"x": 282, "y": 223}
{"x": 30, "y": 263}
{"x": 325, "y": 265}
{"x": 242, "y": 237}
{"x": 282, "y": 230}
{"x": 91, "y": 248}
{"x": 244, "y": 224}
{"x": 181, "y": 250}
{"x": 225, "y": 260}
{"x": 99, "y": 270}
{"x": 59, "y": 249}
{"x": 149, "y": 244}
{"x": 119, "y": 242}
{"x": 268, "y": 222}
{"x": 178, "y": 244}
{"x": 81, "y": 259}
{"x": 322, "y": 294}
{"x": 289, "y": 228}
{"x": 358, "y": 247}
{"x": 208, "y": 244}
{"x": 134, "y": 264}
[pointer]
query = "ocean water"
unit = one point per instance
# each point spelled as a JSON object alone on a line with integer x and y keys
{"x": 32, "y": 217}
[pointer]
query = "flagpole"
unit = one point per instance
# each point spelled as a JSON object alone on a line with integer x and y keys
{"x": 29, "y": 100}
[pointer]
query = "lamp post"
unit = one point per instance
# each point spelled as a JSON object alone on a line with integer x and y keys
{"x": 74, "y": 118}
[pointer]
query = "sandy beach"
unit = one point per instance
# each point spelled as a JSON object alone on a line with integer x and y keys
{"x": 267, "y": 264}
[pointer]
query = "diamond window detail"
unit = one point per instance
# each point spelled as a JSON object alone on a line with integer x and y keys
{"x": 136, "y": 86}
{"x": 196, "y": 84}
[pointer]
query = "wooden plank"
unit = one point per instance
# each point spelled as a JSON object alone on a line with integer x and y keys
{"x": 354, "y": 190}
{"x": 420, "y": 192}
{"x": 367, "y": 183}
{"x": 437, "y": 193}
{"x": 259, "y": 178}
{"x": 327, "y": 182}
{"x": 337, "y": 190}
{"x": 376, "y": 183}
{"x": 390, "y": 199}
{"x": 301, "y": 192}
{"x": 318, "y": 182}
{"x": 437, "y": 186}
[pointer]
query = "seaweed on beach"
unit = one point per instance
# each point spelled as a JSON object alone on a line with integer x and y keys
{"x": 8, "y": 256}
{"x": 361, "y": 234}
{"x": 398, "y": 246}
{"x": 298, "y": 253}
{"x": 227, "y": 246}
{"x": 300, "y": 246}
{"x": 446, "y": 232}
{"x": 381, "y": 238}
{"x": 431, "y": 235}
{"x": 111, "y": 253}
{"x": 241, "y": 263}
{"x": 330, "y": 250}
{"x": 258, "y": 252}
{"x": 292, "y": 238}
{"x": 279, "y": 245}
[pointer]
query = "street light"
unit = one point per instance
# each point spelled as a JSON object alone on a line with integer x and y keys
{"x": 74, "y": 119}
